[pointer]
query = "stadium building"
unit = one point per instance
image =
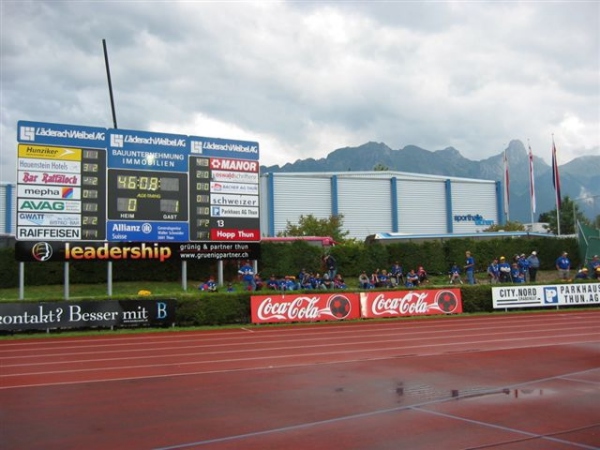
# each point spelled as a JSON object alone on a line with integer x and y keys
{"x": 381, "y": 202}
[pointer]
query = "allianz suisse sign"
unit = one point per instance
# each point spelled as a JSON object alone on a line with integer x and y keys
{"x": 82, "y": 183}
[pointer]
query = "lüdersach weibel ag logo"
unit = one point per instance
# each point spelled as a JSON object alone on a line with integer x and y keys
{"x": 27, "y": 133}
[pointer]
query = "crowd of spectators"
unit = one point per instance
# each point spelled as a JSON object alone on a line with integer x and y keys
{"x": 520, "y": 268}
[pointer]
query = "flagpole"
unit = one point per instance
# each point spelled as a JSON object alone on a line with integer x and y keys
{"x": 531, "y": 183}
{"x": 556, "y": 182}
{"x": 506, "y": 189}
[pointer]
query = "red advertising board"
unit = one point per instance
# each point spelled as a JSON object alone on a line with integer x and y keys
{"x": 410, "y": 303}
{"x": 303, "y": 307}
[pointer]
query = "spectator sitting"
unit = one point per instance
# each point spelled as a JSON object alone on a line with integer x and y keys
{"x": 210, "y": 285}
{"x": 582, "y": 274}
{"x": 375, "y": 278}
{"x": 363, "y": 281}
{"x": 454, "y": 274}
{"x": 598, "y": 273}
{"x": 273, "y": 283}
{"x": 412, "y": 279}
{"x": 230, "y": 287}
{"x": 396, "y": 274}
{"x": 315, "y": 280}
{"x": 326, "y": 281}
{"x": 258, "y": 282}
{"x": 301, "y": 276}
{"x": 422, "y": 274}
{"x": 338, "y": 282}
{"x": 288, "y": 283}
{"x": 384, "y": 280}
{"x": 306, "y": 282}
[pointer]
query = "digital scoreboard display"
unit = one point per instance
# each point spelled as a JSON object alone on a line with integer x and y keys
{"x": 97, "y": 184}
{"x": 147, "y": 197}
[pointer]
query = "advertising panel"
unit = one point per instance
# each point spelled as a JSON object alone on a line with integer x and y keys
{"x": 224, "y": 148}
{"x": 52, "y": 192}
{"x": 41, "y": 251}
{"x": 410, "y": 303}
{"x": 303, "y": 307}
{"x": 546, "y": 295}
{"x": 107, "y": 313}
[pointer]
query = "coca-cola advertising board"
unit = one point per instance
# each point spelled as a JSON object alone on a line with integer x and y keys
{"x": 304, "y": 307}
{"x": 410, "y": 303}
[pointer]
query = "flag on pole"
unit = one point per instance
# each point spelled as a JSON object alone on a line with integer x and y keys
{"x": 555, "y": 176}
{"x": 531, "y": 183}
{"x": 506, "y": 187}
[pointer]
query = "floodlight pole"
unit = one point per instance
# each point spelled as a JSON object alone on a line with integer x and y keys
{"x": 110, "y": 91}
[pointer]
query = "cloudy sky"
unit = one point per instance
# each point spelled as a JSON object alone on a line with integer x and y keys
{"x": 304, "y": 78}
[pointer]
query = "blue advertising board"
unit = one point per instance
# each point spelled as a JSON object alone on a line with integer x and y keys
{"x": 61, "y": 135}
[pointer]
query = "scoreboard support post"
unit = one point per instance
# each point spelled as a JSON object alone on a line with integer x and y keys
{"x": 109, "y": 278}
{"x": 21, "y": 280}
{"x": 66, "y": 281}
{"x": 184, "y": 275}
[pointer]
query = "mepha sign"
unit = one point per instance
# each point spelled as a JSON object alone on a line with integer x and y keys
{"x": 304, "y": 307}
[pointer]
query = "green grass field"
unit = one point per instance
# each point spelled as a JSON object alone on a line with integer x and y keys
{"x": 127, "y": 289}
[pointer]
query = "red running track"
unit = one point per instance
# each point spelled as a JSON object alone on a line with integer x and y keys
{"x": 509, "y": 382}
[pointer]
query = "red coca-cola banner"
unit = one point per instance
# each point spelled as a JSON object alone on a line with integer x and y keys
{"x": 410, "y": 303}
{"x": 304, "y": 307}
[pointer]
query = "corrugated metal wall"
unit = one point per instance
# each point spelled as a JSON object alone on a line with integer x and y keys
{"x": 8, "y": 218}
{"x": 422, "y": 206}
{"x": 365, "y": 203}
{"x": 300, "y": 195}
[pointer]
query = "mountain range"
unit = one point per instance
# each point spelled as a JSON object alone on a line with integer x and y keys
{"x": 579, "y": 179}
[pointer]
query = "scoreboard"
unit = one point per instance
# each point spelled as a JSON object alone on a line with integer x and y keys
{"x": 78, "y": 183}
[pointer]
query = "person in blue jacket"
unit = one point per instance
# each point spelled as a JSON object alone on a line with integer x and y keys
{"x": 524, "y": 264}
{"x": 563, "y": 266}
{"x": 470, "y": 267}
{"x": 493, "y": 271}
{"x": 210, "y": 285}
{"x": 247, "y": 273}
{"x": 504, "y": 268}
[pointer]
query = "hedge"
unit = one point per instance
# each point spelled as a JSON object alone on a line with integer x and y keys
{"x": 288, "y": 259}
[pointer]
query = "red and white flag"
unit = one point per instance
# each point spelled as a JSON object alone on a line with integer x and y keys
{"x": 555, "y": 176}
{"x": 531, "y": 182}
{"x": 506, "y": 186}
